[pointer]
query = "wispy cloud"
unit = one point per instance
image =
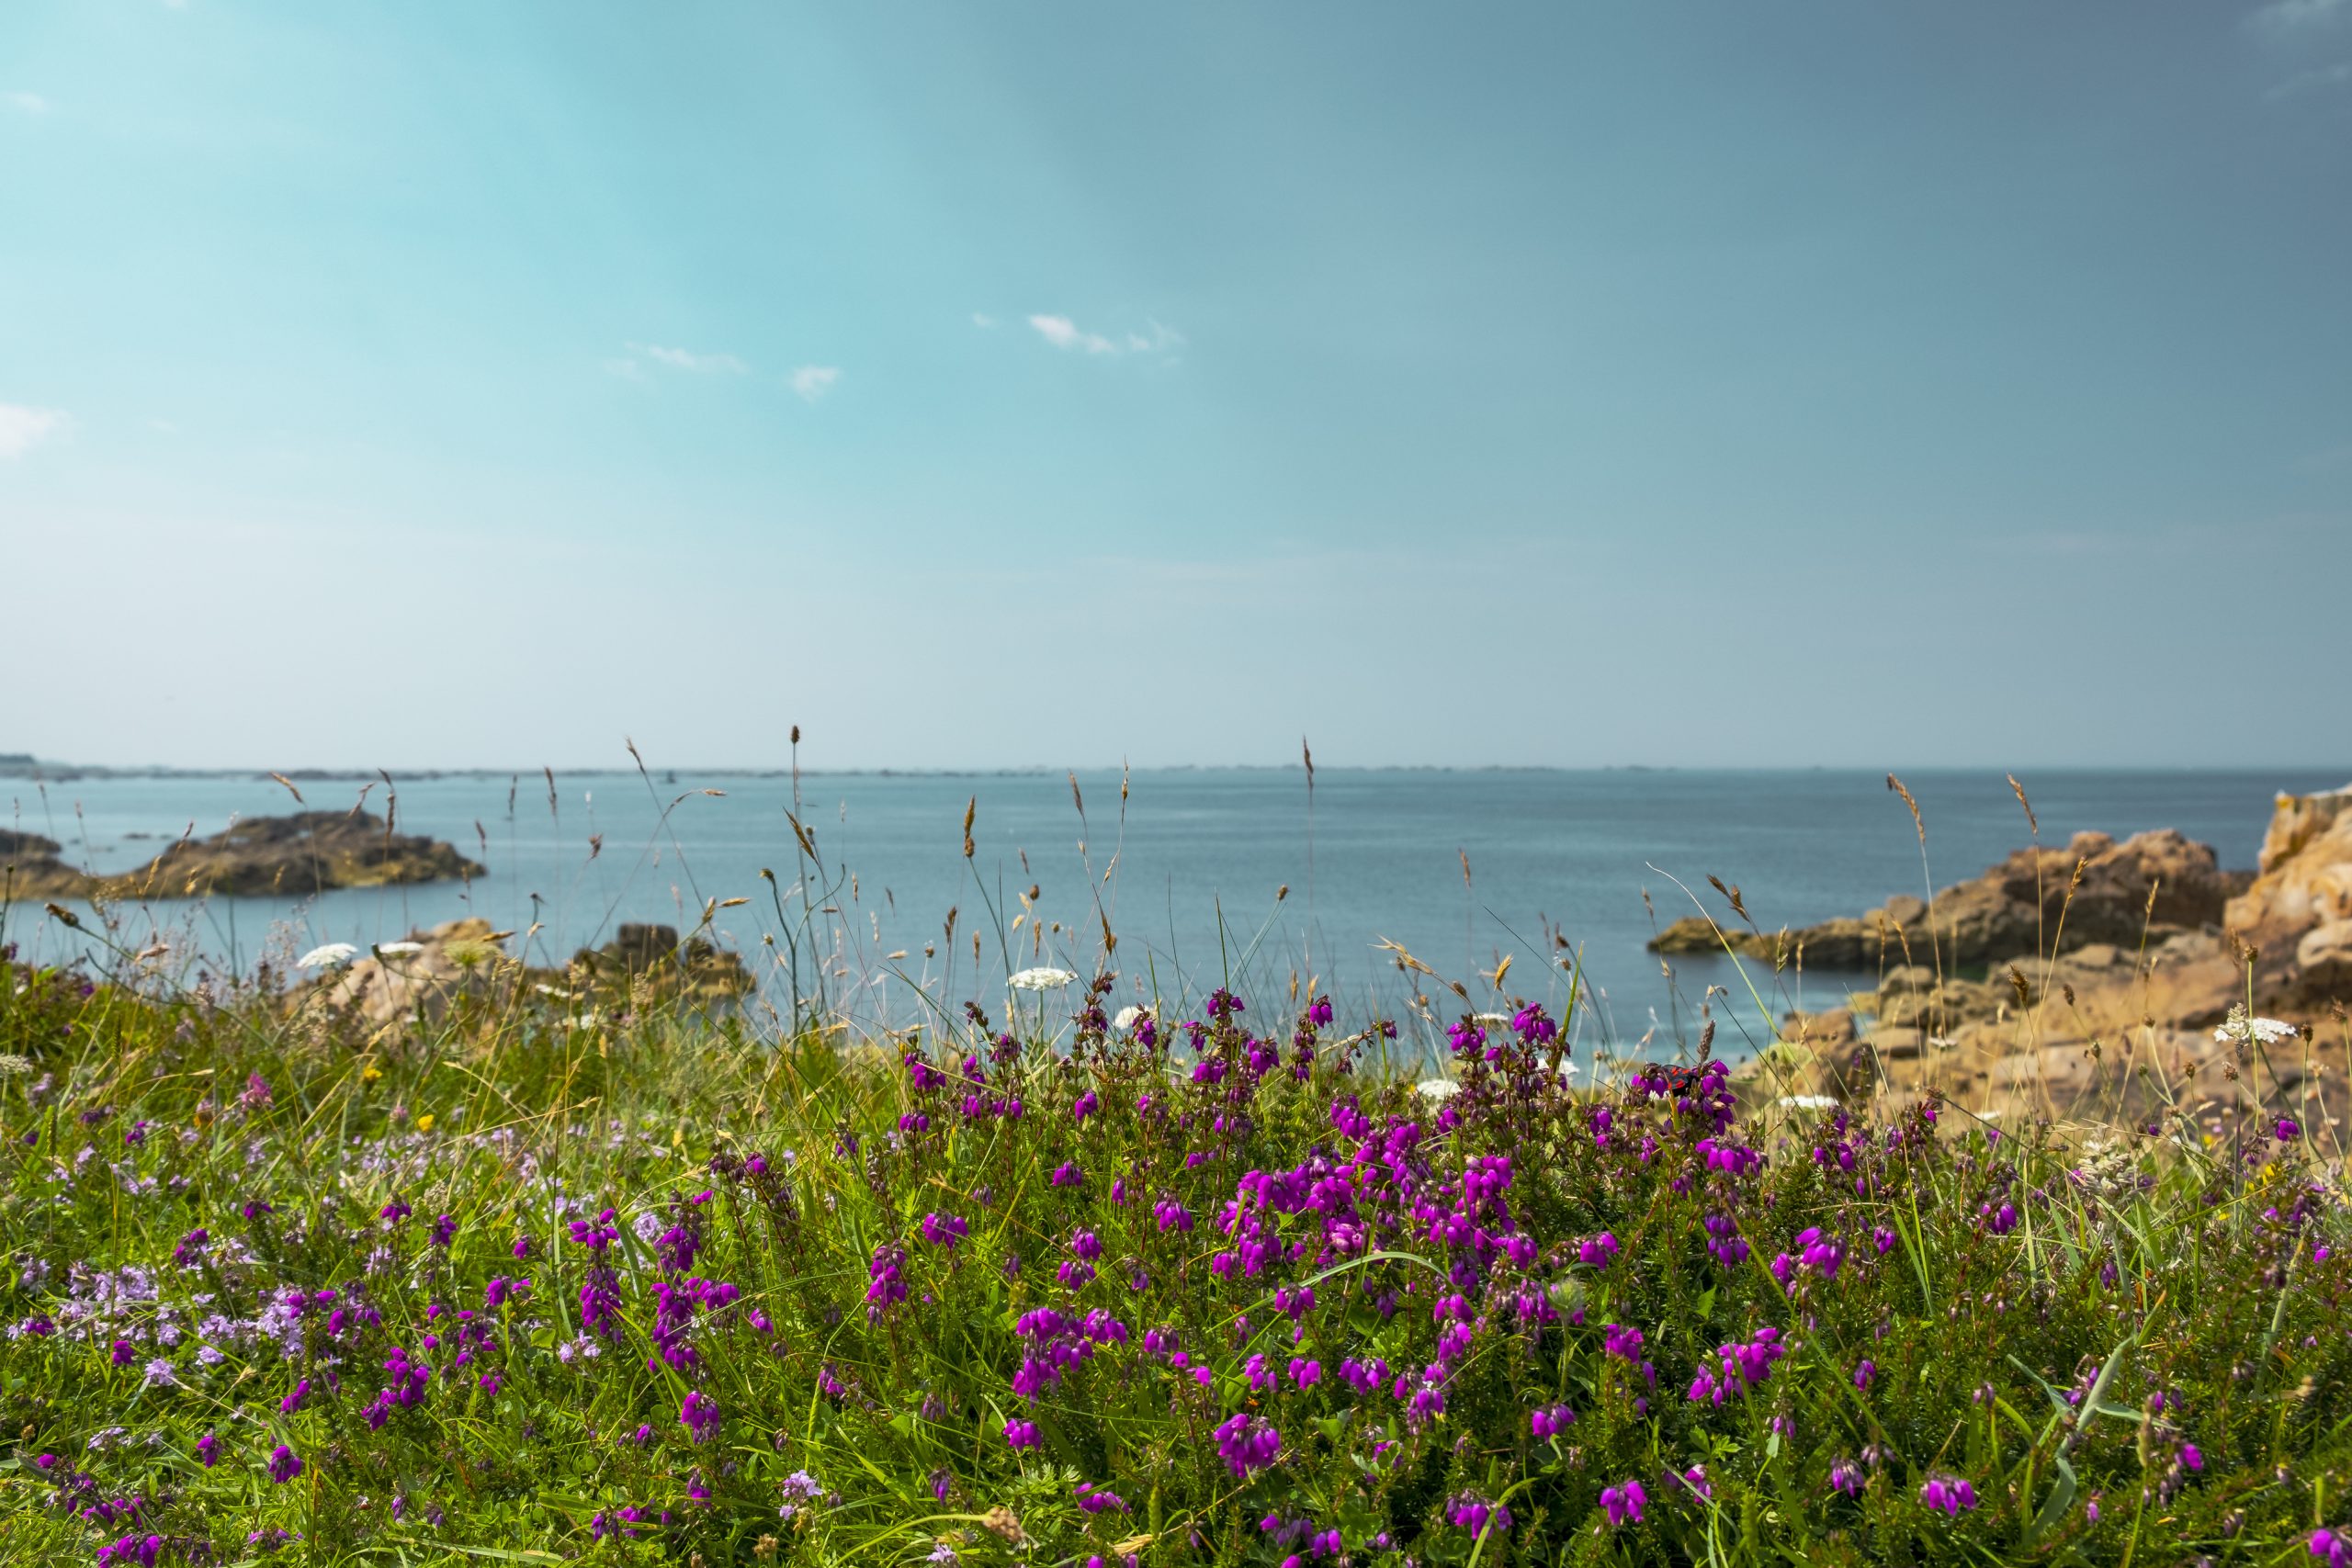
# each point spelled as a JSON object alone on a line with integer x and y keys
{"x": 25, "y": 103}
{"x": 688, "y": 360}
{"x": 2289, "y": 15}
{"x": 23, "y": 427}
{"x": 1064, "y": 334}
{"x": 2311, "y": 81}
{"x": 813, "y": 381}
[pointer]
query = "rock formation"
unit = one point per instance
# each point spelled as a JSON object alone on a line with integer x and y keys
{"x": 651, "y": 959}
{"x": 2297, "y": 915}
{"x": 29, "y": 868}
{"x": 2157, "y": 885}
{"x": 309, "y": 852}
{"x": 2114, "y": 1031}
{"x": 419, "y": 977}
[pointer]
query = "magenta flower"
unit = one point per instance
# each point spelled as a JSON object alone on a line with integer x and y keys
{"x": 1625, "y": 1504}
{"x": 699, "y": 1414}
{"x": 284, "y": 1464}
{"x": 1950, "y": 1493}
{"x": 1248, "y": 1443}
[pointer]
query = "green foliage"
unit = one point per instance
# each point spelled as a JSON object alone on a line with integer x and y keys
{"x": 2131, "y": 1347}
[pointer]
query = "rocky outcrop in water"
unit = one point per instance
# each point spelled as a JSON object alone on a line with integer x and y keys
{"x": 309, "y": 852}
{"x": 2116, "y": 1031}
{"x": 2155, "y": 885}
{"x": 29, "y": 868}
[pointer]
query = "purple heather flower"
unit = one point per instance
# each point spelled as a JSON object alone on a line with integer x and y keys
{"x": 1471, "y": 1511}
{"x": 1550, "y": 1421}
{"x": 1248, "y": 1443}
{"x": 2332, "y": 1547}
{"x": 1846, "y": 1476}
{"x": 1950, "y": 1494}
{"x": 1021, "y": 1434}
{"x": 1864, "y": 1373}
{"x": 207, "y": 1450}
{"x": 284, "y": 1464}
{"x": 445, "y": 1230}
{"x": 699, "y": 1414}
{"x": 1096, "y": 1500}
{"x": 1625, "y": 1504}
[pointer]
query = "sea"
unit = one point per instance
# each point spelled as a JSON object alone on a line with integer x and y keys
{"x": 1250, "y": 879}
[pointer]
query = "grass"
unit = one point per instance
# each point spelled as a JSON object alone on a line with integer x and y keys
{"x": 718, "y": 1285}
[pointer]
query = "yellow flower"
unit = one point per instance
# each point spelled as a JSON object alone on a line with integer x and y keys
{"x": 371, "y": 1072}
{"x": 424, "y": 1123}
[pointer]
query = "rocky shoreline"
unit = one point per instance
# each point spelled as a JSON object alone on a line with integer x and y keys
{"x": 2153, "y": 885}
{"x": 2108, "y": 980}
{"x": 304, "y": 853}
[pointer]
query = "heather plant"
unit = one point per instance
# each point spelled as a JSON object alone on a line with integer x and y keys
{"x": 1050, "y": 1287}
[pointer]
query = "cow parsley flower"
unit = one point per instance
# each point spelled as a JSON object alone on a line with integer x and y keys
{"x": 1045, "y": 979}
{"x": 2239, "y": 1028}
{"x": 331, "y": 955}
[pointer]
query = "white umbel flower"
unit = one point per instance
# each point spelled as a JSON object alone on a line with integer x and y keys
{"x": 1438, "y": 1089}
{"x": 333, "y": 955}
{"x": 1810, "y": 1101}
{"x": 11, "y": 1064}
{"x": 398, "y": 949}
{"x": 1039, "y": 979}
{"x": 2238, "y": 1028}
{"x": 1131, "y": 1016}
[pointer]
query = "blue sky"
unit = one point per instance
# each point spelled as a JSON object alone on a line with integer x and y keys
{"x": 440, "y": 385}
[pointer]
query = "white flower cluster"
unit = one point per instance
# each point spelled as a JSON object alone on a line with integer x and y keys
{"x": 1039, "y": 979}
{"x": 333, "y": 955}
{"x": 2238, "y": 1028}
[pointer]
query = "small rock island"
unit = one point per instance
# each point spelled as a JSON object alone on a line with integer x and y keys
{"x": 307, "y": 851}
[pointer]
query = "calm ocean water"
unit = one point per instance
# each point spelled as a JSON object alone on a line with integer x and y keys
{"x": 1187, "y": 876}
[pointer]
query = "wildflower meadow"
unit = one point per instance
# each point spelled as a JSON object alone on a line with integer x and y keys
{"x": 1240, "y": 1283}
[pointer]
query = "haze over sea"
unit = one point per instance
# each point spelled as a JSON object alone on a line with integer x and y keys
{"x": 1187, "y": 876}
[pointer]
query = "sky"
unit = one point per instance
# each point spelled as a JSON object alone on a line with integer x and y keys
{"x": 447, "y": 384}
